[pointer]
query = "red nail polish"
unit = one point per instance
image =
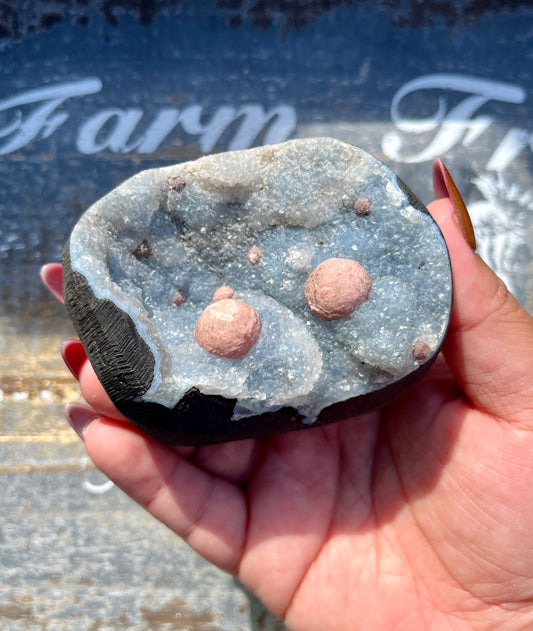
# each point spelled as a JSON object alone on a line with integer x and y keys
{"x": 52, "y": 278}
{"x": 79, "y": 417}
{"x": 444, "y": 186}
{"x": 74, "y": 356}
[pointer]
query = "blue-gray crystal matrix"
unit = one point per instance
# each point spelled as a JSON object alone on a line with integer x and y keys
{"x": 294, "y": 201}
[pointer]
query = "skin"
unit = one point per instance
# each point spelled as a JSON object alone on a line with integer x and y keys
{"x": 414, "y": 517}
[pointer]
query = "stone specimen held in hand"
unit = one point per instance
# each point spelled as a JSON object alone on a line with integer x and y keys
{"x": 257, "y": 292}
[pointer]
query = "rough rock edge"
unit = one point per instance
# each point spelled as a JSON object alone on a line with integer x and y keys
{"x": 197, "y": 419}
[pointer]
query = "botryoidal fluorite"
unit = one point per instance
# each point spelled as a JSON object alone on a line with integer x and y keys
{"x": 144, "y": 262}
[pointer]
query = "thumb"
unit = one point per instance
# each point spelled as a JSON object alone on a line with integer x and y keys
{"x": 489, "y": 346}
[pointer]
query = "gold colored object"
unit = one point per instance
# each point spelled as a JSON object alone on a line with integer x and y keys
{"x": 444, "y": 186}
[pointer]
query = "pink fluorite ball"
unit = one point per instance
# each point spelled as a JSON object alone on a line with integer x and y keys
{"x": 336, "y": 287}
{"x": 228, "y": 328}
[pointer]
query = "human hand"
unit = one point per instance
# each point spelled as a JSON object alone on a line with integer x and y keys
{"x": 416, "y": 516}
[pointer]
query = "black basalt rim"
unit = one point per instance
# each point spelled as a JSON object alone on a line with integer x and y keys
{"x": 200, "y": 419}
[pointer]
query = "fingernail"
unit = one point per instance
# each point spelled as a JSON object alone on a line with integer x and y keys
{"x": 51, "y": 276}
{"x": 444, "y": 186}
{"x": 79, "y": 417}
{"x": 73, "y": 355}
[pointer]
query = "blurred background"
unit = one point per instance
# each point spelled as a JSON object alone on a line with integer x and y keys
{"x": 93, "y": 92}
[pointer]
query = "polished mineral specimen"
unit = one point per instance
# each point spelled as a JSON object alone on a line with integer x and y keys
{"x": 144, "y": 263}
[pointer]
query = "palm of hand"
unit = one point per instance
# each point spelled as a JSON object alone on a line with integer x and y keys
{"x": 389, "y": 521}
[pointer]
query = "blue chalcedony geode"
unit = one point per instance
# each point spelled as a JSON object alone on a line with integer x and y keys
{"x": 143, "y": 263}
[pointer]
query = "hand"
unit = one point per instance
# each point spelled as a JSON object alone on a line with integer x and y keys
{"x": 415, "y": 517}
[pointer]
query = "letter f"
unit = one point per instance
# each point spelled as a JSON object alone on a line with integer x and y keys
{"x": 20, "y": 131}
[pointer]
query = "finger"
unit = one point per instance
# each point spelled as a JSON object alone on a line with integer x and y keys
{"x": 79, "y": 417}
{"x": 92, "y": 390}
{"x": 208, "y": 512}
{"x": 74, "y": 356}
{"x": 52, "y": 278}
{"x": 95, "y": 395}
{"x": 232, "y": 461}
{"x": 489, "y": 346}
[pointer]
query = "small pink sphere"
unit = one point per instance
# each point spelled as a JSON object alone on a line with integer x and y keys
{"x": 336, "y": 287}
{"x": 223, "y": 293}
{"x": 228, "y": 328}
{"x": 255, "y": 254}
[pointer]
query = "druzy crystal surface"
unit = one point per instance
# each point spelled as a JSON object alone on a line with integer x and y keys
{"x": 158, "y": 247}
